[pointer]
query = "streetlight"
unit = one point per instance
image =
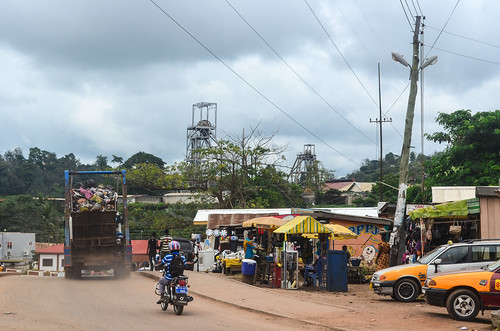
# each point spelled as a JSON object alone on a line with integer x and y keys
{"x": 397, "y": 245}
{"x": 399, "y": 58}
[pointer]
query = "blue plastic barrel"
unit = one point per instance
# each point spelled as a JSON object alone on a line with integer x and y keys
{"x": 248, "y": 267}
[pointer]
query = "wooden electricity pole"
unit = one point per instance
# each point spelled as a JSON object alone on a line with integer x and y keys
{"x": 398, "y": 232}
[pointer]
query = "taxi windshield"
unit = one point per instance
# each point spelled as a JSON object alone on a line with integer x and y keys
{"x": 430, "y": 256}
{"x": 492, "y": 267}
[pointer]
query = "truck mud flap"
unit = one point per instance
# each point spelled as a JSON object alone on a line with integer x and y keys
{"x": 67, "y": 256}
{"x": 128, "y": 253}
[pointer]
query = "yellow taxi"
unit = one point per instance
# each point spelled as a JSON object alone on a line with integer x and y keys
{"x": 404, "y": 282}
{"x": 465, "y": 293}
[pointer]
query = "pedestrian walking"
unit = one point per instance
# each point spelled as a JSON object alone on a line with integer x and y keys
{"x": 152, "y": 251}
{"x": 164, "y": 241}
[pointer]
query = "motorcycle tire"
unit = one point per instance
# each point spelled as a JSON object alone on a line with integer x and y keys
{"x": 178, "y": 309}
{"x": 164, "y": 305}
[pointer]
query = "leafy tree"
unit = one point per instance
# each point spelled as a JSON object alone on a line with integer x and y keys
{"x": 330, "y": 197}
{"x": 143, "y": 157}
{"x": 472, "y": 156}
{"x": 147, "y": 218}
{"x": 23, "y": 213}
{"x": 243, "y": 173}
{"x": 117, "y": 159}
{"x": 150, "y": 178}
{"x": 101, "y": 162}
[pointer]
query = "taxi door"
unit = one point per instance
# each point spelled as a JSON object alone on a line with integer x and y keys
{"x": 492, "y": 298}
{"x": 452, "y": 259}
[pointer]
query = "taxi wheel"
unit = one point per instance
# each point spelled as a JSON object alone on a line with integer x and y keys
{"x": 463, "y": 305}
{"x": 406, "y": 290}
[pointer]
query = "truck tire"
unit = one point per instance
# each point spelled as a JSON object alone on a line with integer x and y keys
{"x": 121, "y": 272}
{"x": 463, "y": 305}
{"x": 406, "y": 290}
{"x": 68, "y": 273}
{"x": 77, "y": 272}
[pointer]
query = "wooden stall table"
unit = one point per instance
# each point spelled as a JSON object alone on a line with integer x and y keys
{"x": 231, "y": 266}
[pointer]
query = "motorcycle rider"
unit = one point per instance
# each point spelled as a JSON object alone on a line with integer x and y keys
{"x": 174, "y": 247}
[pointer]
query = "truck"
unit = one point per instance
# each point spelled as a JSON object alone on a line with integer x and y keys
{"x": 97, "y": 236}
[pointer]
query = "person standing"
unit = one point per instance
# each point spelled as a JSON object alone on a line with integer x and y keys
{"x": 348, "y": 255}
{"x": 249, "y": 246}
{"x": 383, "y": 255}
{"x": 152, "y": 250}
{"x": 164, "y": 241}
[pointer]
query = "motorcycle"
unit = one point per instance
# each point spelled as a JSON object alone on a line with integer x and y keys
{"x": 177, "y": 295}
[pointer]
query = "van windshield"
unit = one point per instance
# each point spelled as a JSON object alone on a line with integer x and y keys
{"x": 430, "y": 256}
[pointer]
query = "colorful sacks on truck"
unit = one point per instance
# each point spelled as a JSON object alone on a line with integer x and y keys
{"x": 93, "y": 198}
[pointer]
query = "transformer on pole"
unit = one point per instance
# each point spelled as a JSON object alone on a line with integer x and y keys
{"x": 201, "y": 133}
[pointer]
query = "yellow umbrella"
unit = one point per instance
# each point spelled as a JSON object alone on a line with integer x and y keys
{"x": 301, "y": 225}
{"x": 339, "y": 232}
{"x": 266, "y": 222}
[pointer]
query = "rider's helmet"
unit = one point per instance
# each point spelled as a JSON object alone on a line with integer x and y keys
{"x": 174, "y": 246}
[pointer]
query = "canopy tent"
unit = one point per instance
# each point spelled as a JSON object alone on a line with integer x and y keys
{"x": 339, "y": 232}
{"x": 303, "y": 225}
{"x": 268, "y": 222}
{"x": 458, "y": 209}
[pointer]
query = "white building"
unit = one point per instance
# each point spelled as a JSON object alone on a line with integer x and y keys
{"x": 16, "y": 246}
{"x": 51, "y": 258}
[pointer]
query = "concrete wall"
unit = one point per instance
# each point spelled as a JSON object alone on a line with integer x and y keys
{"x": 16, "y": 246}
{"x": 57, "y": 262}
{"x": 366, "y": 245}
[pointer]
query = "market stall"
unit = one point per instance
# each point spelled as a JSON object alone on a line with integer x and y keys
{"x": 300, "y": 225}
{"x": 265, "y": 269}
{"x": 435, "y": 225}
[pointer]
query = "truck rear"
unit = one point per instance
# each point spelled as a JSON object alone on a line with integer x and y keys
{"x": 96, "y": 234}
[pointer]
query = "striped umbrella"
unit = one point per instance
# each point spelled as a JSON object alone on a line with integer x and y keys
{"x": 303, "y": 225}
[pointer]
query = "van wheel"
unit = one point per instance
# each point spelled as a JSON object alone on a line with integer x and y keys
{"x": 463, "y": 305}
{"x": 406, "y": 290}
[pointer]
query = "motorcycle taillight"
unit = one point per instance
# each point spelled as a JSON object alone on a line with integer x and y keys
{"x": 182, "y": 282}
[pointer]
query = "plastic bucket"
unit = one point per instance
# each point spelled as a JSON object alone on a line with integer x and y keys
{"x": 248, "y": 267}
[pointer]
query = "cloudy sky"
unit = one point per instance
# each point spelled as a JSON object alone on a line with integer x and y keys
{"x": 118, "y": 77}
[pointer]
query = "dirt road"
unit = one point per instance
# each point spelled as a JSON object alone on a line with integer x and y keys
{"x": 52, "y": 303}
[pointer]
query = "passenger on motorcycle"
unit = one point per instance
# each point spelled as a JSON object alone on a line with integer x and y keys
{"x": 174, "y": 247}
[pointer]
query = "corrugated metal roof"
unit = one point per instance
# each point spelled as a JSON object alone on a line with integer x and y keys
{"x": 202, "y": 215}
{"x": 442, "y": 194}
{"x": 358, "y": 187}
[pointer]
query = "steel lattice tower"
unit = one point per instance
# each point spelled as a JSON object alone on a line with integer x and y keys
{"x": 303, "y": 164}
{"x": 202, "y": 132}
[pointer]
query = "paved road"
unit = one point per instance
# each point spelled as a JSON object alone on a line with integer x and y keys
{"x": 53, "y": 303}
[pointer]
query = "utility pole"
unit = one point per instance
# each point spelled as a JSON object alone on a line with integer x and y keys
{"x": 382, "y": 120}
{"x": 398, "y": 230}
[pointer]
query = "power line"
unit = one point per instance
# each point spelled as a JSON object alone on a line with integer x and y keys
{"x": 406, "y": 14}
{"x": 295, "y": 72}
{"x": 248, "y": 83}
{"x": 468, "y": 56}
{"x": 444, "y": 26}
{"x": 419, "y": 9}
{"x": 371, "y": 28}
{"x": 468, "y": 38}
{"x": 409, "y": 11}
{"x": 338, "y": 50}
